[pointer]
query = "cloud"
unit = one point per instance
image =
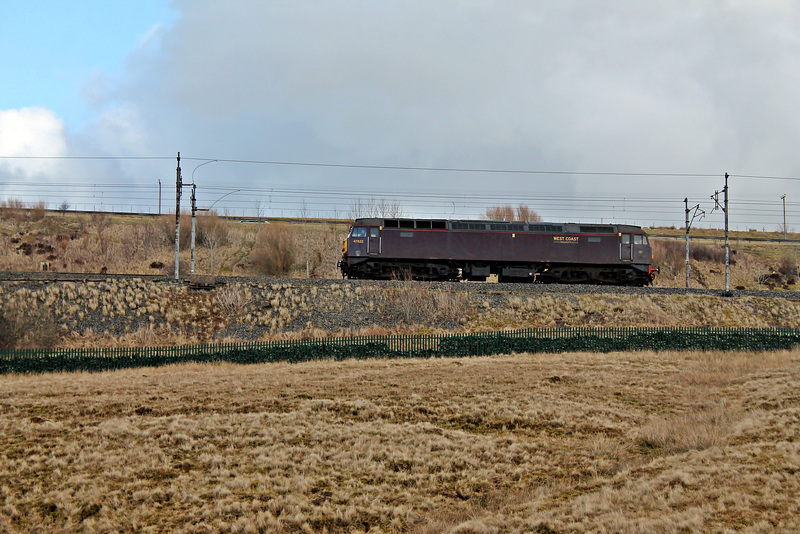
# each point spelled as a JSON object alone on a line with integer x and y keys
{"x": 31, "y": 132}
{"x": 611, "y": 87}
{"x": 653, "y": 87}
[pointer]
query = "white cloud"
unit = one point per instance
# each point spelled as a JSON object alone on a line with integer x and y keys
{"x": 27, "y": 132}
{"x": 657, "y": 86}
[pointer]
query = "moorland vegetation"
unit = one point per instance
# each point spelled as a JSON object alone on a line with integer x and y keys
{"x": 274, "y": 295}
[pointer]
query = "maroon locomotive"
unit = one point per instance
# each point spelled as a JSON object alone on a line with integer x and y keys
{"x": 434, "y": 249}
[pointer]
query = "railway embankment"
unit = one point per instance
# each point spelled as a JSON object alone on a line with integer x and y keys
{"x": 64, "y": 310}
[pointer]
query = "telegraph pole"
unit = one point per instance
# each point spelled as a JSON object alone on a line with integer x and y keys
{"x": 179, "y": 185}
{"x": 783, "y": 197}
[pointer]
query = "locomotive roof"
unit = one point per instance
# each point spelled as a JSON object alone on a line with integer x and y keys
{"x": 471, "y": 224}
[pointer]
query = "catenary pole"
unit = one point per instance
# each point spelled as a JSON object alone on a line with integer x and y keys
{"x": 194, "y": 211}
{"x": 686, "y": 202}
{"x": 727, "y": 242}
{"x": 178, "y": 186}
{"x": 701, "y": 214}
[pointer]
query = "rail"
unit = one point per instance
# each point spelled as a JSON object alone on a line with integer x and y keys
{"x": 553, "y": 340}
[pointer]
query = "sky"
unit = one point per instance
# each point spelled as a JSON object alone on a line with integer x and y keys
{"x": 610, "y": 111}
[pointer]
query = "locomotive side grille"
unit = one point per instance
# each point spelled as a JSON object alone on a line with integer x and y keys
{"x": 552, "y": 228}
{"x": 597, "y": 229}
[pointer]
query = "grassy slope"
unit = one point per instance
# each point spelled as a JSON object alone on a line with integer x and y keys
{"x": 548, "y": 443}
{"x": 144, "y": 313}
{"x": 670, "y": 442}
{"x": 132, "y": 244}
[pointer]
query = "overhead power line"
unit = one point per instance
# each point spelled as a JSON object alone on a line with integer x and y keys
{"x": 455, "y": 169}
{"x": 416, "y": 168}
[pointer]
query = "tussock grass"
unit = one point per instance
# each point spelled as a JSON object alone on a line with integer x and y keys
{"x": 167, "y": 314}
{"x": 698, "y": 429}
{"x": 520, "y": 443}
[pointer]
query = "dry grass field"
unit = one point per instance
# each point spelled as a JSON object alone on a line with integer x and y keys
{"x": 641, "y": 442}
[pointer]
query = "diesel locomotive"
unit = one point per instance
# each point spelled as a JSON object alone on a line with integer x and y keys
{"x": 437, "y": 249}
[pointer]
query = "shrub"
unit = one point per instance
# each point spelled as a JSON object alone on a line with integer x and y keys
{"x": 275, "y": 250}
{"x": 25, "y": 329}
{"x": 669, "y": 256}
{"x": 37, "y": 211}
{"x": 212, "y": 230}
{"x": 166, "y": 228}
{"x": 707, "y": 253}
{"x": 787, "y": 266}
{"x": 12, "y": 209}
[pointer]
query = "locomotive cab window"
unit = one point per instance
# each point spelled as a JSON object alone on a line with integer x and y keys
{"x": 359, "y": 232}
{"x": 373, "y": 232}
{"x": 626, "y": 239}
{"x": 638, "y": 240}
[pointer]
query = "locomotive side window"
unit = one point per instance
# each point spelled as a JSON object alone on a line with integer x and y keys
{"x": 626, "y": 239}
{"x": 373, "y": 232}
{"x": 637, "y": 240}
{"x": 359, "y": 232}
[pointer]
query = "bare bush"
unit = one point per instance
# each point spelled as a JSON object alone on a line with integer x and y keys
{"x": 101, "y": 224}
{"x": 669, "y": 256}
{"x": 787, "y": 266}
{"x": 708, "y": 253}
{"x": 25, "y": 329}
{"x": 275, "y": 250}
{"x": 509, "y": 213}
{"x": 12, "y": 209}
{"x": 212, "y": 231}
{"x": 37, "y": 211}
{"x": 166, "y": 229}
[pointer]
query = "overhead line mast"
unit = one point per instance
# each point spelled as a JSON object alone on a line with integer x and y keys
{"x": 715, "y": 198}
{"x": 178, "y": 186}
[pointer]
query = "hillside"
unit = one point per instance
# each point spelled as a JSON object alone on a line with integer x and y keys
{"x": 33, "y": 239}
{"x": 286, "y": 285}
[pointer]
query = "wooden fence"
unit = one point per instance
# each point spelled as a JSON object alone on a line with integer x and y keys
{"x": 418, "y": 346}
